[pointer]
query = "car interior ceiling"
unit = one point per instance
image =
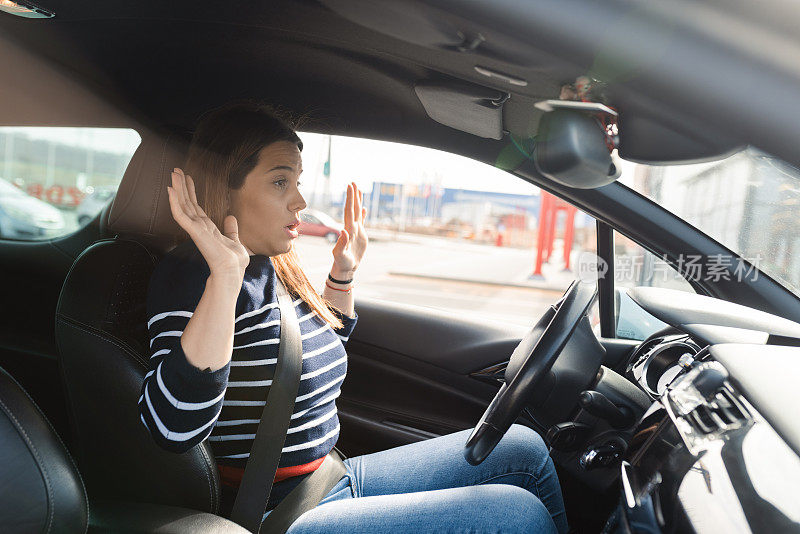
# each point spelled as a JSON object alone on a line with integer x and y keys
{"x": 293, "y": 53}
{"x": 157, "y": 66}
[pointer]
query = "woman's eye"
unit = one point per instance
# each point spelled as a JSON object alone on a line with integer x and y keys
{"x": 281, "y": 182}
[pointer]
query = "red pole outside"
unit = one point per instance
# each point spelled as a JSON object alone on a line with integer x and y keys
{"x": 541, "y": 234}
{"x": 551, "y": 228}
{"x": 569, "y": 234}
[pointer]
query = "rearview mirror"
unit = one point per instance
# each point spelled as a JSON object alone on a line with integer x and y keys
{"x": 571, "y": 149}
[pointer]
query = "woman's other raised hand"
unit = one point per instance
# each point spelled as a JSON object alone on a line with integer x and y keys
{"x": 352, "y": 243}
{"x": 225, "y": 255}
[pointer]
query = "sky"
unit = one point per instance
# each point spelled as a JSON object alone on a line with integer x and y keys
{"x": 366, "y": 161}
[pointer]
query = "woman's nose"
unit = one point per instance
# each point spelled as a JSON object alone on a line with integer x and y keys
{"x": 298, "y": 203}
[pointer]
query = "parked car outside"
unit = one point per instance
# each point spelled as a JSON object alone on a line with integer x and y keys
{"x": 94, "y": 202}
{"x": 318, "y": 223}
{"x": 25, "y": 217}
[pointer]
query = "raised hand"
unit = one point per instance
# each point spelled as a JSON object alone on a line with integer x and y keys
{"x": 352, "y": 243}
{"x": 224, "y": 253}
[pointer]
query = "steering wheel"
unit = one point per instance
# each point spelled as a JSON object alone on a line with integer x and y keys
{"x": 530, "y": 363}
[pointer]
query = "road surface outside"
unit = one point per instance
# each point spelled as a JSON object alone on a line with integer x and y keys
{"x": 468, "y": 280}
{"x": 478, "y": 281}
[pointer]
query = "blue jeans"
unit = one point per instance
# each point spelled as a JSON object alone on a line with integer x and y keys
{"x": 429, "y": 487}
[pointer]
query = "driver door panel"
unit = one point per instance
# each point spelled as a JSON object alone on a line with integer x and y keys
{"x": 409, "y": 377}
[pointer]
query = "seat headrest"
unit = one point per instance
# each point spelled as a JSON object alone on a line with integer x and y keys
{"x": 141, "y": 206}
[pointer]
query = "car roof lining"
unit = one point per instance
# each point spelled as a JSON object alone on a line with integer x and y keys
{"x": 155, "y": 62}
{"x": 148, "y": 58}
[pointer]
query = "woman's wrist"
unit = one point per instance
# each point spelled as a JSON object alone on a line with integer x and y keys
{"x": 227, "y": 284}
{"x": 346, "y": 281}
{"x": 340, "y": 281}
{"x": 340, "y": 277}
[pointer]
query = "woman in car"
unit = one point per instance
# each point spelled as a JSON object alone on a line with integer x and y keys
{"x": 214, "y": 325}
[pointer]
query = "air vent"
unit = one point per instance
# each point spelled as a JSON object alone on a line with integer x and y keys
{"x": 721, "y": 414}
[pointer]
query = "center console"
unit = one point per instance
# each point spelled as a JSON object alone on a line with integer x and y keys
{"x": 702, "y": 459}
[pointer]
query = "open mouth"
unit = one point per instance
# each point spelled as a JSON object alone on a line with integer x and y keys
{"x": 291, "y": 229}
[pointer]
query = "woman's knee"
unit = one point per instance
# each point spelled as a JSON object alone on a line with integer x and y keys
{"x": 483, "y": 508}
{"x": 517, "y": 509}
{"x": 523, "y": 443}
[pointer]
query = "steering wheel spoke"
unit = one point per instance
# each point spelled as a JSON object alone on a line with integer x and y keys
{"x": 530, "y": 363}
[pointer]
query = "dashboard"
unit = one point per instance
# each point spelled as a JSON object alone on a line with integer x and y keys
{"x": 704, "y": 459}
{"x": 718, "y": 450}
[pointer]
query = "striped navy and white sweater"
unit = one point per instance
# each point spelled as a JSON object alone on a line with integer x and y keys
{"x": 182, "y": 405}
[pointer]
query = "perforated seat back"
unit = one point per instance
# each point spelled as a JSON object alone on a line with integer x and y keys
{"x": 101, "y": 332}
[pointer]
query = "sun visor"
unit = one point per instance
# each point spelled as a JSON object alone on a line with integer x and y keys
{"x": 654, "y": 133}
{"x": 467, "y": 107}
{"x": 645, "y": 140}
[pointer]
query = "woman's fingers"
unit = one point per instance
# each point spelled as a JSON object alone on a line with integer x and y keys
{"x": 231, "y": 228}
{"x": 177, "y": 189}
{"x": 190, "y": 189}
{"x": 221, "y": 250}
{"x": 186, "y": 213}
{"x": 341, "y": 243}
{"x": 357, "y": 203}
{"x": 184, "y": 190}
{"x": 174, "y": 206}
{"x": 348, "y": 208}
{"x": 193, "y": 197}
{"x": 176, "y": 198}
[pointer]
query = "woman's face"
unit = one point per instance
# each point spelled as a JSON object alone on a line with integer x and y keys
{"x": 267, "y": 206}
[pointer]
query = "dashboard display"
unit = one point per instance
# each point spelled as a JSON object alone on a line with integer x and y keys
{"x": 658, "y": 361}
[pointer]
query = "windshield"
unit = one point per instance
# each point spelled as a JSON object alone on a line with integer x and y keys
{"x": 749, "y": 202}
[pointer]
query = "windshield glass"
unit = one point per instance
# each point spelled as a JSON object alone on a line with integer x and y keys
{"x": 749, "y": 202}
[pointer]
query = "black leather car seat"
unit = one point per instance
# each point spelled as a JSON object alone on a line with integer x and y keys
{"x": 40, "y": 487}
{"x": 42, "y": 491}
{"x": 103, "y": 348}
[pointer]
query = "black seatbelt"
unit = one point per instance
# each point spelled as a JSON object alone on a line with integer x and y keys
{"x": 262, "y": 464}
{"x": 259, "y": 473}
{"x": 306, "y": 495}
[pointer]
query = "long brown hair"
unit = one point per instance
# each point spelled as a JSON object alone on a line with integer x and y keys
{"x": 224, "y": 149}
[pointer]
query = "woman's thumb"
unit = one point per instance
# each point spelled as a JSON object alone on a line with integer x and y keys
{"x": 341, "y": 242}
{"x": 230, "y": 227}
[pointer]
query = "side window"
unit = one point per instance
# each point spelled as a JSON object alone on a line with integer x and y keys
{"x": 55, "y": 180}
{"x": 634, "y": 266}
{"x": 446, "y": 232}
